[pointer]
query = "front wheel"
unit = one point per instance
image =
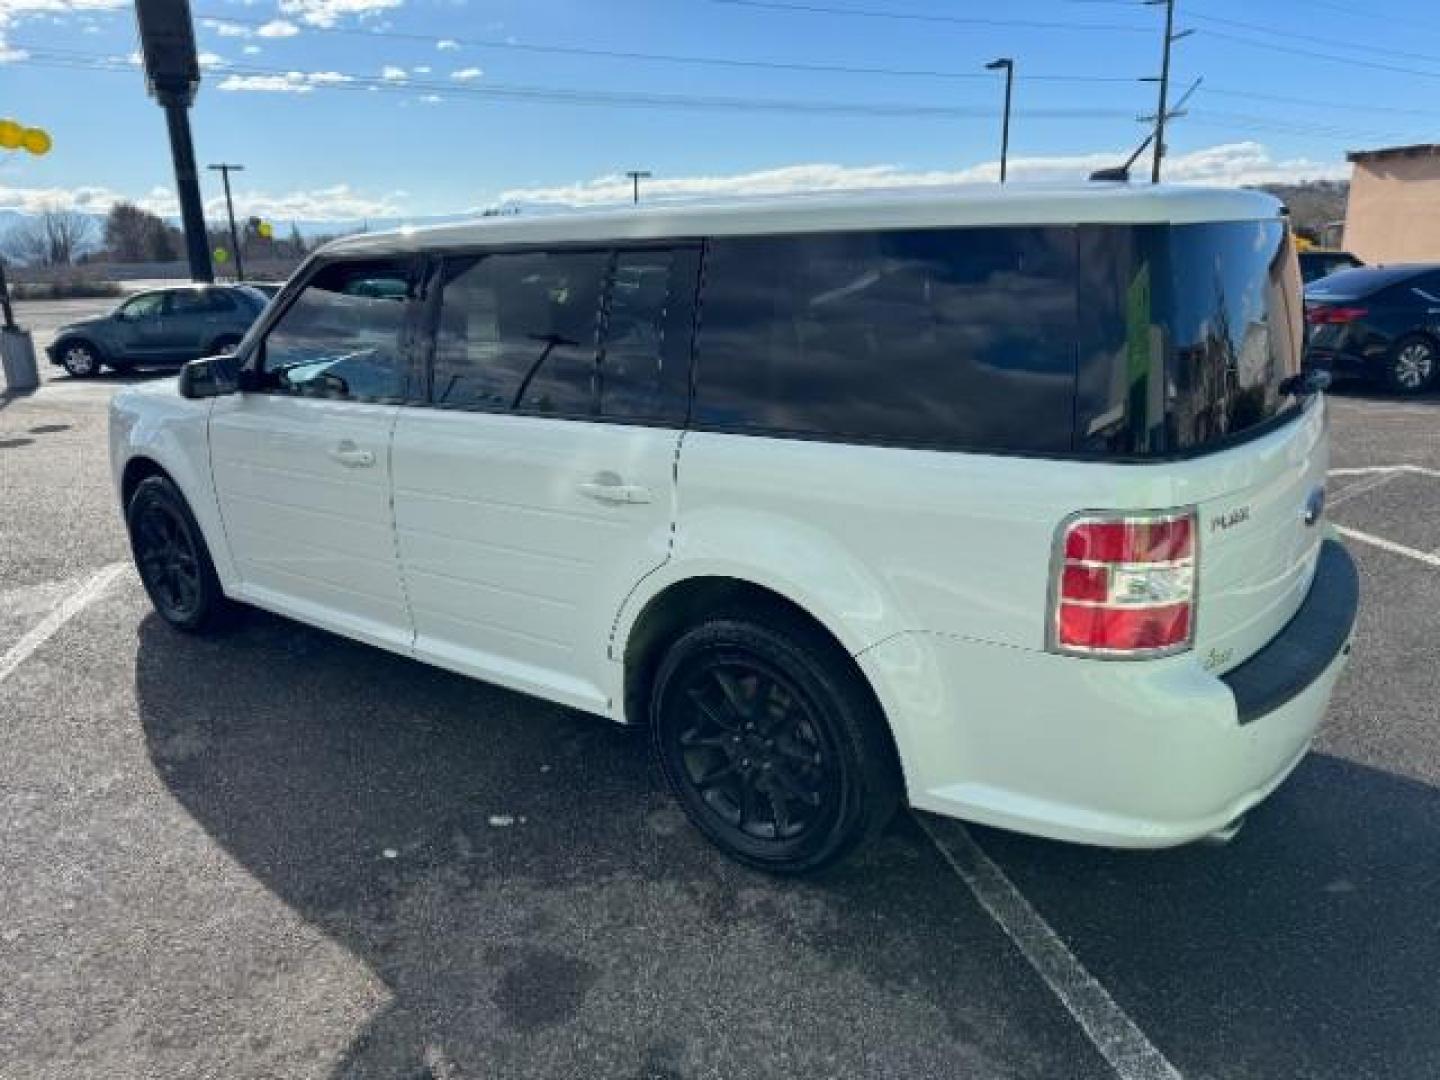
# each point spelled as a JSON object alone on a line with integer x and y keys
{"x": 172, "y": 558}
{"x": 1412, "y": 365}
{"x": 80, "y": 359}
{"x": 772, "y": 743}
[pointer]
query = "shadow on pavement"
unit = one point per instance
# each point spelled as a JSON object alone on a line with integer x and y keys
{"x": 535, "y": 904}
{"x": 1309, "y": 946}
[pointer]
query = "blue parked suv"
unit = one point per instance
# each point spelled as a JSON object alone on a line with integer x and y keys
{"x": 162, "y": 326}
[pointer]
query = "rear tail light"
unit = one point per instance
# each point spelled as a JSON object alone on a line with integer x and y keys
{"x": 1124, "y": 585}
{"x": 1325, "y": 315}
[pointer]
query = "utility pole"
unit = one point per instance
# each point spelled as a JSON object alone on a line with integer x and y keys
{"x": 1162, "y": 113}
{"x": 172, "y": 75}
{"x": 225, "y": 170}
{"x": 636, "y": 175}
{"x": 1008, "y": 65}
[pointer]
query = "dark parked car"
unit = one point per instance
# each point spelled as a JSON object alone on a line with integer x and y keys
{"x": 1315, "y": 263}
{"x": 1380, "y": 323}
{"x": 163, "y": 326}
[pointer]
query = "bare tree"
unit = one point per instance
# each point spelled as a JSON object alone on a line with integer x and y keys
{"x": 136, "y": 235}
{"x": 54, "y": 237}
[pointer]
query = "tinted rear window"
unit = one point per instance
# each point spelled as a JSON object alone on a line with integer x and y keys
{"x": 1361, "y": 281}
{"x": 948, "y": 338}
{"x": 1186, "y": 334}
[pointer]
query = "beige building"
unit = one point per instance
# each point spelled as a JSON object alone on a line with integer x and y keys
{"x": 1394, "y": 210}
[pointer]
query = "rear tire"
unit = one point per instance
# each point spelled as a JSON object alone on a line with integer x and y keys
{"x": 174, "y": 563}
{"x": 80, "y": 359}
{"x": 772, "y": 743}
{"x": 1412, "y": 365}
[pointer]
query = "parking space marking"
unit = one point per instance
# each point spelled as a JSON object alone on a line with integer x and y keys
{"x": 1369, "y": 482}
{"x": 86, "y": 594}
{"x": 1108, "y": 1027}
{"x": 1426, "y": 557}
{"x": 1371, "y": 470}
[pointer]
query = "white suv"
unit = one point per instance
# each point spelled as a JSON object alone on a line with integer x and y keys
{"x": 1004, "y": 504}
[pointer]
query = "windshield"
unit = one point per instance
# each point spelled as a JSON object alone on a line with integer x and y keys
{"x": 1187, "y": 333}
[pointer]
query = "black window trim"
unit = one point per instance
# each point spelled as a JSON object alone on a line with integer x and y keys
{"x": 253, "y": 362}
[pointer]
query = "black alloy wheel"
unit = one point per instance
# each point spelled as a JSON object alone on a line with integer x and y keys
{"x": 772, "y": 749}
{"x": 170, "y": 554}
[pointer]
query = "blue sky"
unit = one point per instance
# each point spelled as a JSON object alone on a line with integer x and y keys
{"x": 287, "y": 91}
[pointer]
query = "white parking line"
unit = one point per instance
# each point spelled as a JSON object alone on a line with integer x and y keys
{"x": 86, "y": 594}
{"x": 1109, "y": 1028}
{"x": 1369, "y": 482}
{"x": 1426, "y": 557}
{"x": 1369, "y": 470}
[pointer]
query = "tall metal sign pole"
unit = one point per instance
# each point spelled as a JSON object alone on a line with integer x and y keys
{"x": 225, "y": 170}
{"x": 172, "y": 75}
{"x": 636, "y": 175}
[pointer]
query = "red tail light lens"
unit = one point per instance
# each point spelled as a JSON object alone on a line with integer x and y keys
{"x": 1325, "y": 315}
{"x": 1125, "y": 585}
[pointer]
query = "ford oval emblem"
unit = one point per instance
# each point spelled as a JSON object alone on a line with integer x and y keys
{"x": 1314, "y": 506}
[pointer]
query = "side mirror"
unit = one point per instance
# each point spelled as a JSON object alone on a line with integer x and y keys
{"x": 206, "y": 378}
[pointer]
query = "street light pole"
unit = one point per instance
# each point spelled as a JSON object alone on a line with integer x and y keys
{"x": 1008, "y": 65}
{"x": 636, "y": 175}
{"x": 225, "y": 170}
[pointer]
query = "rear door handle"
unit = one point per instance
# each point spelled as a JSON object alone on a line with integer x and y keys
{"x": 351, "y": 456}
{"x": 614, "y": 493}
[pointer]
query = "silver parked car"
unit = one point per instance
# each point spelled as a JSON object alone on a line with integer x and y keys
{"x": 162, "y": 326}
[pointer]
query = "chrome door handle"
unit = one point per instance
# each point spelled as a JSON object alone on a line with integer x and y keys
{"x": 350, "y": 455}
{"x": 615, "y": 494}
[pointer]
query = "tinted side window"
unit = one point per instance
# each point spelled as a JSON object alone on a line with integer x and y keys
{"x": 343, "y": 335}
{"x": 219, "y": 300}
{"x": 188, "y": 302}
{"x": 518, "y": 331}
{"x": 143, "y": 307}
{"x": 947, "y": 338}
{"x": 645, "y": 358}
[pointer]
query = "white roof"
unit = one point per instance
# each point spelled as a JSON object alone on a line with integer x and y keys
{"x": 914, "y": 208}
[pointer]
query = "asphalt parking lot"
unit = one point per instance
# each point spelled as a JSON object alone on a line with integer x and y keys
{"x": 281, "y": 854}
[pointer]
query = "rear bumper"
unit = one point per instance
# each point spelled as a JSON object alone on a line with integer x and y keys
{"x": 1149, "y": 754}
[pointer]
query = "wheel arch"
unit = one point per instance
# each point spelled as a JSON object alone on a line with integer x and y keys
{"x": 138, "y": 469}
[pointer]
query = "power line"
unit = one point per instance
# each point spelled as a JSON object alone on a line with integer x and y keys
{"x": 1351, "y": 106}
{"x": 338, "y": 80}
{"x": 666, "y": 58}
{"x": 1291, "y": 34}
{"x": 917, "y": 16}
{"x": 1351, "y": 61}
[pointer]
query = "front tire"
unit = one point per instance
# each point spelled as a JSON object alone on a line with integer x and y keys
{"x": 80, "y": 359}
{"x": 1413, "y": 364}
{"x": 174, "y": 563}
{"x": 772, "y": 743}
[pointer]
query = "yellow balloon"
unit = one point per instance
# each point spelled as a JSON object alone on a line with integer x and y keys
{"x": 36, "y": 140}
{"x": 10, "y": 134}
{"x": 266, "y": 229}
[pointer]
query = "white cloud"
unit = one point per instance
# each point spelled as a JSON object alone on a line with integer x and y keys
{"x": 212, "y": 61}
{"x": 329, "y": 12}
{"x": 15, "y": 10}
{"x": 227, "y": 29}
{"x": 466, "y": 74}
{"x": 422, "y": 69}
{"x": 432, "y": 99}
{"x": 292, "y": 82}
{"x": 1229, "y": 165}
{"x": 250, "y": 50}
{"x": 9, "y": 54}
{"x": 391, "y": 73}
{"x": 278, "y": 28}
{"x": 336, "y": 203}
{"x": 447, "y": 45}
